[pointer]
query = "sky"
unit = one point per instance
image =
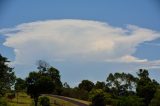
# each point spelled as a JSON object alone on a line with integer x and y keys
{"x": 83, "y": 39}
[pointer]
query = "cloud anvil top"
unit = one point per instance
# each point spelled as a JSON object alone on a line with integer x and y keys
{"x": 76, "y": 40}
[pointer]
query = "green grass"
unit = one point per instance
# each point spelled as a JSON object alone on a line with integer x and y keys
{"x": 25, "y": 100}
{"x": 22, "y": 99}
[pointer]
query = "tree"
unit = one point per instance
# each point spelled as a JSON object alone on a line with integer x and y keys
{"x": 54, "y": 74}
{"x": 38, "y": 84}
{"x": 97, "y": 97}
{"x": 42, "y": 66}
{"x": 65, "y": 85}
{"x": 20, "y": 84}
{"x": 145, "y": 87}
{"x": 100, "y": 85}
{"x": 46, "y": 80}
{"x": 121, "y": 83}
{"x": 130, "y": 101}
{"x": 155, "y": 101}
{"x": 47, "y": 70}
{"x": 86, "y": 85}
{"x": 7, "y": 77}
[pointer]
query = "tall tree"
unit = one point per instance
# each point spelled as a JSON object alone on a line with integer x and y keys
{"x": 121, "y": 83}
{"x": 156, "y": 98}
{"x": 46, "y": 80}
{"x": 54, "y": 74}
{"x": 42, "y": 66}
{"x": 20, "y": 84}
{"x": 38, "y": 84}
{"x": 86, "y": 85}
{"x": 146, "y": 88}
{"x": 7, "y": 77}
{"x": 100, "y": 85}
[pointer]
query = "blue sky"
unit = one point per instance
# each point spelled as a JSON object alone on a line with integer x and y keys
{"x": 118, "y": 14}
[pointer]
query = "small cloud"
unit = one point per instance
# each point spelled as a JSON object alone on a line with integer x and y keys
{"x": 128, "y": 59}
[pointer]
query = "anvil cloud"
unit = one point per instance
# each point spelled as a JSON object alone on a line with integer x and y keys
{"x": 76, "y": 40}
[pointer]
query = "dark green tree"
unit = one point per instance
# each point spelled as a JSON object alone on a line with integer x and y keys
{"x": 100, "y": 85}
{"x": 46, "y": 70}
{"x": 156, "y": 99}
{"x": 38, "y": 84}
{"x": 97, "y": 97}
{"x": 54, "y": 74}
{"x": 121, "y": 83}
{"x": 130, "y": 101}
{"x": 66, "y": 85}
{"x": 86, "y": 85}
{"x": 145, "y": 87}
{"x": 46, "y": 80}
{"x": 20, "y": 84}
{"x": 7, "y": 77}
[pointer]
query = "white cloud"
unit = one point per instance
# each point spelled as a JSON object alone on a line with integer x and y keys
{"x": 69, "y": 39}
{"x": 128, "y": 59}
{"x": 155, "y": 64}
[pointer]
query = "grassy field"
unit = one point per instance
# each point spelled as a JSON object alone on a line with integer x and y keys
{"x": 24, "y": 100}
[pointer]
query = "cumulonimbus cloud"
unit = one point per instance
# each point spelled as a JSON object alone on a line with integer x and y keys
{"x": 71, "y": 39}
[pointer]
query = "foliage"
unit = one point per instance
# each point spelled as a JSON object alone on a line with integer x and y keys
{"x": 44, "y": 101}
{"x": 121, "y": 83}
{"x": 97, "y": 97}
{"x": 100, "y": 85}
{"x": 3, "y": 101}
{"x": 46, "y": 80}
{"x": 156, "y": 99}
{"x": 20, "y": 84}
{"x": 23, "y": 100}
{"x": 145, "y": 87}
{"x": 130, "y": 101}
{"x": 86, "y": 85}
{"x": 7, "y": 77}
{"x": 38, "y": 84}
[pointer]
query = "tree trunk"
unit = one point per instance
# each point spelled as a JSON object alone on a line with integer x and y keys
{"x": 36, "y": 101}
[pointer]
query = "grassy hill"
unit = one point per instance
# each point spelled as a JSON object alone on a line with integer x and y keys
{"x": 22, "y": 99}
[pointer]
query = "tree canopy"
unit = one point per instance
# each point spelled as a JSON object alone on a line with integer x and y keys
{"x": 46, "y": 80}
{"x": 7, "y": 77}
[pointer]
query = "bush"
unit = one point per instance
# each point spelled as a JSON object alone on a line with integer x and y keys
{"x": 130, "y": 101}
{"x": 44, "y": 101}
{"x": 3, "y": 102}
{"x": 155, "y": 100}
{"x": 97, "y": 97}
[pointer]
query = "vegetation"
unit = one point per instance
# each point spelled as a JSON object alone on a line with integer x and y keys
{"x": 120, "y": 89}
{"x": 156, "y": 99}
{"x": 46, "y": 80}
{"x": 23, "y": 100}
{"x": 44, "y": 101}
{"x": 7, "y": 76}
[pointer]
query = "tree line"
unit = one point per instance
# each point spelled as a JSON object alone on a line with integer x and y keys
{"x": 119, "y": 89}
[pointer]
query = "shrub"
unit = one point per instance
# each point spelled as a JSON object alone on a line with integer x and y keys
{"x": 3, "y": 102}
{"x": 44, "y": 101}
{"x": 155, "y": 100}
{"x": 97, "y": 97}
{"x": 131, "y": 101}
